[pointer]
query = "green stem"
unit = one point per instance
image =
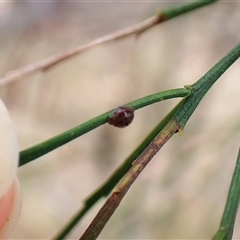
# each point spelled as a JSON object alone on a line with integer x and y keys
{"x": 49, "y": 145}
{"x": 174, "y": 12}
{"x": 112, "y": 181}
{"x": 176, "y": 123}
{"x": 181, "y": 115}
{"x": 201, "y": 87}
{"x": 40, "y": 149}
{"x": 225, "y": 231}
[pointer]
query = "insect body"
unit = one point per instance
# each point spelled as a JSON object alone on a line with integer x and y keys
{"x": 121, "y": 117}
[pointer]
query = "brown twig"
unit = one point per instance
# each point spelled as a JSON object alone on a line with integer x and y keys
{"x": 51, "y": 61}
{"x": 107, "y": 210}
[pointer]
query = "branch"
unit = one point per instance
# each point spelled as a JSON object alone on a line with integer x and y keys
{"x": 135, "y": 29}
{"x": 42, "y": 148}
{"x": 177, "y": 123}
{"x": 225, "y": 231}
{"x": 121, "y": 189}
{"x": 112, "y": 181}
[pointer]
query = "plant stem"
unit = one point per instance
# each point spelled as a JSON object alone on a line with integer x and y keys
{"x": 225, "y": 231}
{"x": 185, "y": 8}
{"x": 111, "y": 204}
{"x": 46, "y": 63}
{"x": 201, "y": 87}
{"x": 176, "y": 123}
{"x": 111, "y": 182}
{"x": 49, "y": 145}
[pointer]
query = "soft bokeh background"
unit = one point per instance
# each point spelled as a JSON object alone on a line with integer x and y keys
{"x": 181, "y": 194}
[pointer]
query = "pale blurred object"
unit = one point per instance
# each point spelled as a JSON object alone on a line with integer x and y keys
{"x": 10, "y": 198}
{"x": 10, "y": 204}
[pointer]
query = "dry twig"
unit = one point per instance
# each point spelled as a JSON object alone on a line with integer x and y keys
{"x": 50, "y": 61}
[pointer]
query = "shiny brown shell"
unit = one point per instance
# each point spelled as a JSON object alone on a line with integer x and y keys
{"x": 121, "y": 117}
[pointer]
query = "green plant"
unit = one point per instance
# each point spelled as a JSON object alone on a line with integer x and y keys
{"x": 174, "y": 122}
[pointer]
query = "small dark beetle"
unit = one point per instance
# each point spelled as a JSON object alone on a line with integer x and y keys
{"x": 121, "y": 117}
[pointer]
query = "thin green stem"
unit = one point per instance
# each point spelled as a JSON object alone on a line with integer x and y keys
{"x": 201, "y": 87}
{"x": 225, "y": 231}
{"x": 176, "y": 123}
{"x": 176, "y": 11}
{"x": 111, "y": 182}
{"x": 42, "y": 148}
{"x": 181, "y": 114}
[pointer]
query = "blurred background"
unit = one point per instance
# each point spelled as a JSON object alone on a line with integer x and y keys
{"x": 182, "y": 193}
